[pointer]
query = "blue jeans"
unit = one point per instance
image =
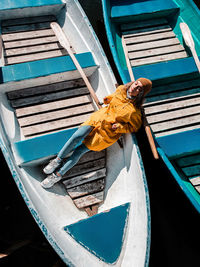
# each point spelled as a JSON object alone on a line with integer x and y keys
{"x": 79, "y": 151}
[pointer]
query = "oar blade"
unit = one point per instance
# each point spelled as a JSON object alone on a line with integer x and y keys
{"x": 187, "y": 35}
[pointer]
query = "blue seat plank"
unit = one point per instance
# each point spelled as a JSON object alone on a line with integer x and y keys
{"x": 123, "y": 8}
{"x": 44, "y": 67}
{"x": 180, "y": 144}
{"x": 41, "y": 146}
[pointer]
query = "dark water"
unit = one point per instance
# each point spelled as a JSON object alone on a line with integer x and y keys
{"x": 175, "y": 225}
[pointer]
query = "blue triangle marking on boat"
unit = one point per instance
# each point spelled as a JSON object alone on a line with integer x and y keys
{"x": 102, "y": 234}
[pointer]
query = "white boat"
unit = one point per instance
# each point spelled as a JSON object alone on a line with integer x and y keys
{"x": 43, "y": 99}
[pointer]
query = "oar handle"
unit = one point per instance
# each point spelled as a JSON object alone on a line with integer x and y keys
{"x": 64, "y": 42}
{"x": 145, "y": 123}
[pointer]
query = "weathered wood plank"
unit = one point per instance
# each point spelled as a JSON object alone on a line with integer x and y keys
{"x": 32, "y": 49}
{"x": 83, "y": 168}
{"x": 192, "y": 170}
{"x": 175, "y": 114}
{"x": 195, "y": 181}
{"x": 151, "y": 30}
{"x": 38, "y": 99}
{"x": 92, "y": 155}
{"x": 156, "y": 59}
{"x": 89, "y": 200}
{"x": 29, "y": 20}
{"x": 154, "y": 44}
{"x": 189, "y": 160}
{"x": 173, "y": 101}
{"x": 28, "y": 42}
{"x": 26, "y": 35}
{"x": 53, "y": 125}
{"x": 86, "y": 189}
{"x": 150, "y": 38}
{"x": 84, "y": 178}
{"x": 142, "y": 24}
{"x": 173, "y": 124}
{"x": 44, "y": 89}
{"x": 25, "y": 27}
{"x": 55, "y": 115}
{"x": 54, "y": 105}
{"x": 36, "y": 56}
{"x": 155, "y": 52}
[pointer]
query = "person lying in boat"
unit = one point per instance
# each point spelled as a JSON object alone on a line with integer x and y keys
{"x": 104, "y": 127}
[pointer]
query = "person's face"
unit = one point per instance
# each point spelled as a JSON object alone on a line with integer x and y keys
{"x": 135, "y": 88}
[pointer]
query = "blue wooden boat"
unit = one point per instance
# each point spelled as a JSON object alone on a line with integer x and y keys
{"x": 99, "y": 213}
{"x": 156, "y": 50}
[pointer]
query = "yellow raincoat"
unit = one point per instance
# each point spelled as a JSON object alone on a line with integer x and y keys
{"x": 119, "y": 110}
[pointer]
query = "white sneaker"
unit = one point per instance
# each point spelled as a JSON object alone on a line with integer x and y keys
{"x": 50, "y": 180}
{"x": 53, "y": 164}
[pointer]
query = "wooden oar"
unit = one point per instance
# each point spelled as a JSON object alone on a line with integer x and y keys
{"x": 145, "y": 122}
{"x": 189, "y": 42}
{"x": 65, "y": 44}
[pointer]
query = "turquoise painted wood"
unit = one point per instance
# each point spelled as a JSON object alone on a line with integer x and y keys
{"x": 42, "y": 146}
{"x": 134, "y": 8}
{"x": 184, "y": 184}
{"x": 44, "y": 67}
{"x": 14, "y": 4}
{"x": 173, "y": 69}
{"x": 180, "y": 144}
{"x": 102, "y": 234}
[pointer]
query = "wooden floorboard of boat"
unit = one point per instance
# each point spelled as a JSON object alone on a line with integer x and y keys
{"x": 145, "y": 31}
{"x": 86, "y": 189}
{"x": 84, "y": 178}
{"x": 39, "y": 99}
{"x": 177, "y": 130}
{"x": 29, "y": 20}
{"x": 157, "y": 59}
{"x": 195, "y": 181}
{"x": 44, "y": 89}
{"x": 155, "y": 52}
{"x": 56, "y": 115}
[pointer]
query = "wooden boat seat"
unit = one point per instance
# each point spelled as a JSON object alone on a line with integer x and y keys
{"x": 29, "y": 39}
{"x": 151, "y": 41}
{"x": 174, "y": 108}
{"x": 20, "y": 8}
{"x": 148, "y": 9}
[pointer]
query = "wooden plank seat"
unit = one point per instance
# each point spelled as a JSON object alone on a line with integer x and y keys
{"x": 151, "y": 41}
{"x": 152, "y": 8}
{"x": 30, "y": 39}
{"x": 51, "y": 107}
{"x": 174, "y": 108}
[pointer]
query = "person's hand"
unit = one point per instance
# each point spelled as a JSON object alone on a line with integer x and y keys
{"x": 114, "y": 126}
{"x": 106, "y": 100}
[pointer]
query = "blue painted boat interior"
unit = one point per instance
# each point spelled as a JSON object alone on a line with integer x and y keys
{"x": 102, "y": 234}
{"x": 120, "y": 9}
{"x": 180, "y": 144}
{"x": 37, "y": 148}
{"x": 14, "y": 4}
{"x": 44, "y": 67}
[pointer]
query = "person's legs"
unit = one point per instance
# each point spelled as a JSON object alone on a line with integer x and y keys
{"x": 55, "y": 177}
{"x": 79, "y": 135}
